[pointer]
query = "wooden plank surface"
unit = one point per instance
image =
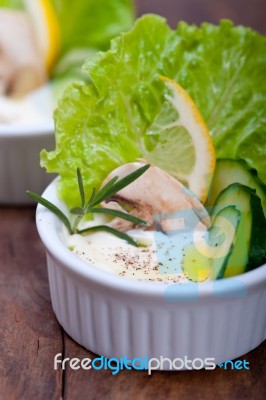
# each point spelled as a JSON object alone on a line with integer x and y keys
{"x": 30, "y": 336}
{"x": 29, "y": 332}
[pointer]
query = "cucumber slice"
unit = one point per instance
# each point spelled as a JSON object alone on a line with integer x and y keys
{"x": 207, "y": 257}
{"x": 230, "y": 171}
{"x": 250, "y": 246}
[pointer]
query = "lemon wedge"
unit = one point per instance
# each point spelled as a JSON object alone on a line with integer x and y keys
{"x": 47, "y": 30}
{"x": 179, "y": 142}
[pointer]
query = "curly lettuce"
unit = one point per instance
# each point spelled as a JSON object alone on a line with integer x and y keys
{"x": 102, "y": 124}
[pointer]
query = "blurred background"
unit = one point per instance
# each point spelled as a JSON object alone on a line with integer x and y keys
{"x": 58, "y": 35}
{"x": 244, "y": 12}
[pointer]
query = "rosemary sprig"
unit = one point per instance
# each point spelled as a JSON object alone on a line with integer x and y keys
{"x": 119, "y": 214}
{"x": 108, "y": 190}
{"x": 44, "y": 202}
{"x": 109, "y": 229}
{"x": 117, "y": 185}
{"x": 81, "y": 188}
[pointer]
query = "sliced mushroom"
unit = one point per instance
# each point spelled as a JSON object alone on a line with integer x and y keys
{"x": 151, "y": 196}
{"x": 21, "y": 63}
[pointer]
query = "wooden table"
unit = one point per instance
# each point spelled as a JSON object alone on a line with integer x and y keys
{"x": 30, "y": 336}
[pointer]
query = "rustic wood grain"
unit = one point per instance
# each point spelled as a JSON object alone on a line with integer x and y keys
{"x": 29, "y": 332}
{"x": 30, "y": 336}
{"x": 185, "y": 385}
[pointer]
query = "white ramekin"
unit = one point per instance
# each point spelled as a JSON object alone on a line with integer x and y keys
{"x": 116, "y": 317}
{"x": 20, "y": 169}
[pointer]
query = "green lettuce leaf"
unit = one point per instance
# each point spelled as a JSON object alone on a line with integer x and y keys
{"x": 103, "y": 123}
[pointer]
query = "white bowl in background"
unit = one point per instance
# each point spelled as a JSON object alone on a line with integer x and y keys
{"x": 20, "y": 146}
{"x": 116, "y": 317}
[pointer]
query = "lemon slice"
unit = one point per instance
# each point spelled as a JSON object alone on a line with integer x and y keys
{"x": 179, "y": 142}
{"x": 46, "y": 27}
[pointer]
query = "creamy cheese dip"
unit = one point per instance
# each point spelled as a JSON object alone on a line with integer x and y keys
{"x": 37, "y": 107}
{"x": 115, "y": 255}
{"x": 157, "y": 260}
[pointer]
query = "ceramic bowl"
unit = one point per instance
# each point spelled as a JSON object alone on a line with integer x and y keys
{"x": 115, "y": 317}
{"x": 20, "y": 169}
{"x": 20, "y": 146}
